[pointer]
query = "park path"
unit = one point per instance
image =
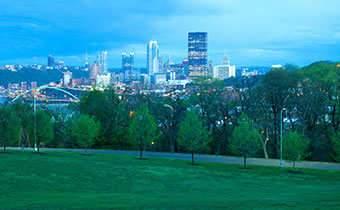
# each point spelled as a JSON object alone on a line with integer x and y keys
{"x": 204, "y": 158}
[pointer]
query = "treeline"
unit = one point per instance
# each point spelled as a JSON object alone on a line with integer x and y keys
{"x": 208, "y": 117}
{"x": 42, "y": 77}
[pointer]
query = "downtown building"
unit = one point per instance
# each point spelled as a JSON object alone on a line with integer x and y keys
{"x": 197, "y": 54}
{"x": 103, "y": 62}
{"x": 130, "y": 74}
{"x": 225, "y": 70}
{"x": 152, "y": 59}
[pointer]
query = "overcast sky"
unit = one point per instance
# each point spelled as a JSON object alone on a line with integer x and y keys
{"x": 251, "y": 32}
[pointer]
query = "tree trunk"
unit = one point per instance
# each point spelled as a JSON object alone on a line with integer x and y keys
{"x": 294, "y": 166}
{"x": 38, "y": 147}
{"x": 140, "y": 153}
{"x": 4, "y": 147}
{"x": 264, "y": 146}
{"x": 172, "y": 144}
{"x": 244, "y": 162}
{"x": 192, "y": 158}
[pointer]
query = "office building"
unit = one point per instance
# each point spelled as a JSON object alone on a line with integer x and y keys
{"x": 211, "y": 69}
{"x": 152, "y": 58}
{"x": 103, "y": 62}
{"x": 67, "y": 76}
{"x": 23, "y": 87}
{"x": 128, "y": 61}
{"x": 95, "y": 70}
{"x": 103, "y": 80}
{"x": 198, "y": 53}
{"x": 34, "y": 85}
{"x": 50, "y": 61}
{"x": 225, "y": 70}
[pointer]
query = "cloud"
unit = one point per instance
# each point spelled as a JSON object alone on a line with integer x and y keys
{"x": 292, "y": 31}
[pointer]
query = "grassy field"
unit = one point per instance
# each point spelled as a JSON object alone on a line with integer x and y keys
{"x": 57, "y": 180}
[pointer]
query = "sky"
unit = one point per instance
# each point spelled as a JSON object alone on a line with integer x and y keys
{"x": 250, "y": 32}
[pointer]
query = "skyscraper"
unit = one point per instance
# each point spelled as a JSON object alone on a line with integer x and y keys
{"x": 95, "y": 70}
{"x": 103, "y": 62}
{"x": 50, "y": 61}
{"x": 128, "y": 61}
{"x": 128, "y": 65}
{"x": 197, "y": 53}
{"x": 224, "y": 71}
{"x": 152, "y": 58}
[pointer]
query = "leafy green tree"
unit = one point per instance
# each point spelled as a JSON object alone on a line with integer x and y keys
{"x": 143, "y": 129}
{"x": 25, "y": 113}
{"x": 170, "y": 112}
{"x": 84, "y": 130}
{"x": 245, "y": 139}
{"x": 112, "y": 113}
{"x": 44, "y": 128}
{"x": 336, "y": 146}
{"x": 9, "y": 125}
{"x": 192, "y": 136}
{"x": 294, "y": 147}
{"x": 62, "y": 128}
{"x": 215, "y": 104}
{"x": 273, "y": 93}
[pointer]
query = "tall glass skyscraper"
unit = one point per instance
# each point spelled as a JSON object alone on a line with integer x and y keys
{"x": 198, "y": 53}
{"x": 128, "y": 61}
{"x": 152, "y": 57}
{"x": 103, "y": 62}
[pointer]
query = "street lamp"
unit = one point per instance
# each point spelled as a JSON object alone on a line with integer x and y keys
{"x": 281, "y": 164}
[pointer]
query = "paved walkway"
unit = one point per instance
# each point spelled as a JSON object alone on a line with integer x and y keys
{"x": 205, "y": 158}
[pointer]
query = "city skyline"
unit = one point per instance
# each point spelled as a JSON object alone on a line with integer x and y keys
{"x": 250, "y": 33}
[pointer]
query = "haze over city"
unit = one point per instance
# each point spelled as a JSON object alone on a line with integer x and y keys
{"x": 251, "y": 32}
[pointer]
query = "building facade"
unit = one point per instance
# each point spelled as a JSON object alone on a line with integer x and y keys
{"x": 128, "y": 61}
{"x": 197, "y": 53}
{"x": 103, "y": 62}
{"x": 225, "y": 70}
{"x": 95, "y": 70}
{"x": 152, "y": 52}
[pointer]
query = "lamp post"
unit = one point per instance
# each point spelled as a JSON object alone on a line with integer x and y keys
{"x": 35, "y": 122}
{"x": 281, "y": 164}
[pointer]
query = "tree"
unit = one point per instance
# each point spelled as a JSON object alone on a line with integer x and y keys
{"x": 85, "y": 129}
{"x": 143, "y": 129}
{"x": 9, "y": 126}
{"x": 192, "y": 136}
{"x": 273, "y": 93}
{"x": 25, "y": 113}
{"x": 294, "y": 147}
{"x": 215, "y": 104}
{"x": 336, "y": 146}
{"x": 44, "y": 128}
{"x": 170, "y": 112}
{"x": 245, "y": 139}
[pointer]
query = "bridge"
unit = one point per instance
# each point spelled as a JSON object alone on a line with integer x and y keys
{"x": 41, "y": 88}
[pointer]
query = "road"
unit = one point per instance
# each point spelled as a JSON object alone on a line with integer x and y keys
{"x": 204, "y": 158}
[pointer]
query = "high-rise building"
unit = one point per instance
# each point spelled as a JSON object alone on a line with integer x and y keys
{"x": 128, "y": 61}
{"x": 161, "y": 64}
{"x": 103, "y": 62}
{"x": 23, "y": 87}
{"x": 95, "y": 70}
{"x": 211, "y": 69}
{"x": 152, "y": 58}
{"x": 224, "y": 71}
{"x": 34, "y": 85}
{"x": 50, "y": 61}
{"x": 67, "y": 76}
{"x": 198, "y": 53}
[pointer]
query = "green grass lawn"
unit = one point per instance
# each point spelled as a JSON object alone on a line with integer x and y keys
{"x": 61, "y": 180}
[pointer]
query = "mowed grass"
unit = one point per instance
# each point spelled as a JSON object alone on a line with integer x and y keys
{"x": 60, "y": 180}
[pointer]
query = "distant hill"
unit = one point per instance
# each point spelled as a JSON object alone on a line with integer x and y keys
{"x": 40, "y": 76}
